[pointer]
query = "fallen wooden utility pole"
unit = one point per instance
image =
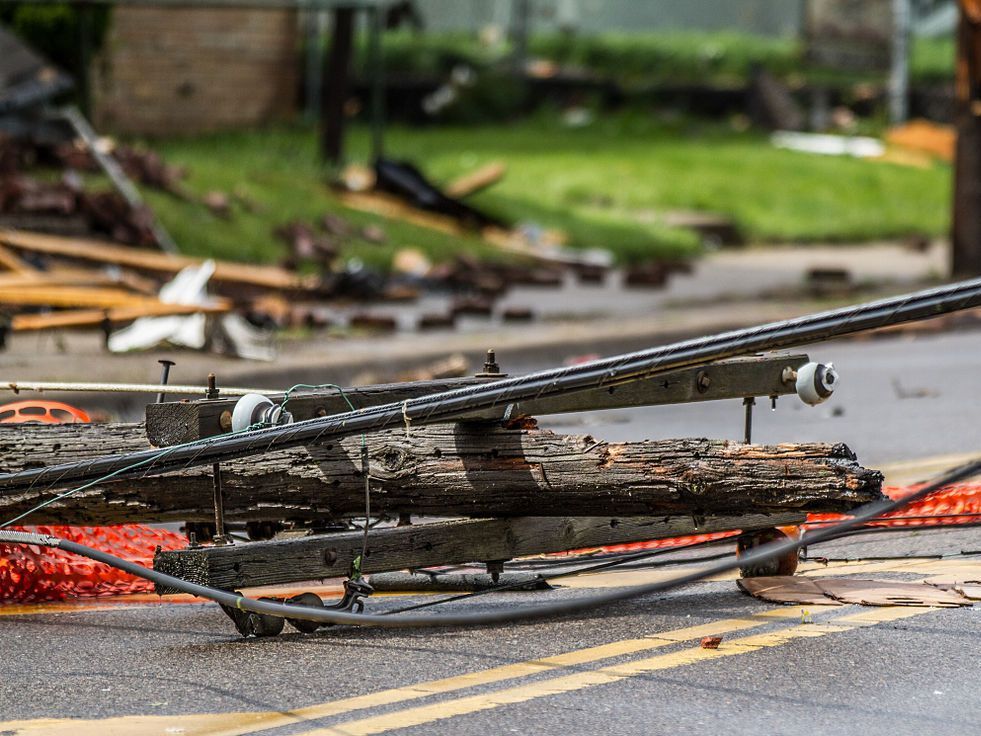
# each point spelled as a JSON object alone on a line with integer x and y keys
{"x": 473, "y": 470}
{"x": 425, "y": 545}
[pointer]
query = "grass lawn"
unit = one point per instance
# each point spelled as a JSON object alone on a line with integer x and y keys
{"x": 605, "y": 184}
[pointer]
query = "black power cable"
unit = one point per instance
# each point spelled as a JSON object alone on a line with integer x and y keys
{"x": 608, "y": 373}
{"x": 766, "y": 552}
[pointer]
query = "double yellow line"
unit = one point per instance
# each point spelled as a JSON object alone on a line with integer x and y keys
{"x": 240, "y": 724}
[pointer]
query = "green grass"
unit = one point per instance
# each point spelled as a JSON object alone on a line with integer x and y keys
{"x": 278, "y": 169}
{"x": 604, "y": 184}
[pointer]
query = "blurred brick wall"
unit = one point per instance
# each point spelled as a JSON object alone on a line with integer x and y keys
{"x": 171, "y": 71}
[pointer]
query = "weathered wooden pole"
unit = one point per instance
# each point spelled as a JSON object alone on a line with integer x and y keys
{"x": 469, "y": 470}
{"x": 966, "y": 229}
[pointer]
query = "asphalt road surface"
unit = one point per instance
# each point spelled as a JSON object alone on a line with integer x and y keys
{"x": 633, "y": 668}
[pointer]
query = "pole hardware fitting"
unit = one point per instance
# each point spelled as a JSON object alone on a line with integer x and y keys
{"x": 491, "y": 368}
{"x": 257, "y": 624}
{"x": 212, "y": 392}
{"x": 749, "y": 402}
{"x": 703, "y": 382}
{"x": 165, "y": 366}
{"x": 814, "y": 382}
{"x": 254, "y": 409}
{"x": 495, "y": 568}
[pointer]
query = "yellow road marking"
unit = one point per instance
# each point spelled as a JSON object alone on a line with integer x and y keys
{"x": 236, "y": 724}
{"x": 906, "y": 472}
{"x": 614, "y": 673}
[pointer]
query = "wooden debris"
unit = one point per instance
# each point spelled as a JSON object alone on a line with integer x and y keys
{"x": 924, "y": 136}
{"x": 218, "y": 203}
{"x": 477, "y": 180}
{"x": 85, "y": 318}
{"x": 11, "y": 262}
{"x": 547, "y": 249}
{"x": 95, "y": 251}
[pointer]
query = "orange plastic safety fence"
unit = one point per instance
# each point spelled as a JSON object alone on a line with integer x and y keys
{"x": 951, "y": 506}
{"x": 30, "y": 574}
{"x": 960, "y": 504}
{"x": 34, "y": 574}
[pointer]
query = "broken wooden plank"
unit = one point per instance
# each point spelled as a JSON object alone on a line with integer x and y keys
{"x": 11, "y": 262}
{"x": 174, "y": 423}
{"x": 96, "y": 251}
{"x": 473, "y": 470}
{"x": 97, "y": 318}
{"x": 43, "y": 295}
{"x": 549, "y": 250}
{"x": 476, "y": 180}
{"x": 63, "y": 276}
{"x": 425, "y": 545}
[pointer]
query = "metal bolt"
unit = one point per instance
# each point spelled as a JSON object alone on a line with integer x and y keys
{"x": 495, "y": 568}
{"x": 164, "y": 376}
{"x": 490, "y": 363}
{"x": 330, "y": 556}
{"x": 225, "y": 421}
{"x": 212, "y": 387}
{"x": 749, "y": 402}
{"x": 702, "y": 382}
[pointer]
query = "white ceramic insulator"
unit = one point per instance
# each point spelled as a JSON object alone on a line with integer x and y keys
{"x": 816, "y": 382}
{"x": 249, "y": 410}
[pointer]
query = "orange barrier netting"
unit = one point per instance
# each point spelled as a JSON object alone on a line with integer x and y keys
{"x": 958, "y": 504}
{"x": 31, "y": 574}
{"x": 951, "y": 506}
